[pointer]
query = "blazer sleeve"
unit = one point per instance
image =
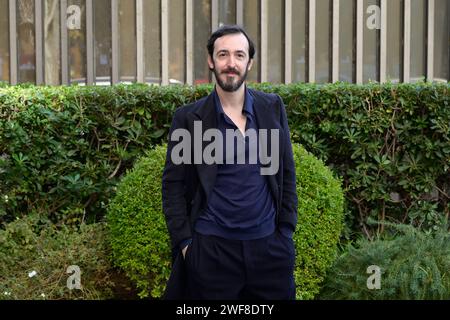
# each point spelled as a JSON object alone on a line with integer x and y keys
{"x": 289, "y": 199}
{"x": 174, "y": 190}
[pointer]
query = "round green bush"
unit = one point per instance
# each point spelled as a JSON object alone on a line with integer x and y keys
{"x": 320, "y": 222}
{"x": 140, "y": 241}
{"x": 138, "y": 234}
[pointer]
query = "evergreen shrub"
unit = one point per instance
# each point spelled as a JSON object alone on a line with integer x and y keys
{"x": 413, "y": 265}
{"x": 35, "y": 257}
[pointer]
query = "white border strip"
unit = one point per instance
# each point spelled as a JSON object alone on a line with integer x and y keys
{"x": 430, "y": 41}
{"x": 165, "y": 42}
{"x": 13, "y": 42}
{"x": 359, "y": 40}
{"x": 312, "y": 42}
{"x": 264, "y": 41}
{"x": 189, "y": 42}
{"x": 383, "y": 41}
{"x": 288, "y": 42}
{"x": 90, "y": 59}
{"x": 115, "y": 67}
{"x": 38, "y": 24}
{"x": 240, "y": 12}
{"x": 335, "y": 41}
{"x": 140, "y": 58}
{"x": 407, "y": 41}
{"x": 214, "y": 15}
{"x": 64, "y": 44}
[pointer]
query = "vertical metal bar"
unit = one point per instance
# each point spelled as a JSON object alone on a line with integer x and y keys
{"x": 13, "y": 42}
{"x": 288, "y": 42}
{"x": 165, "y": 41}
{"x": 240, "y": 12}
{"x": 140, "y": 59}
{"x": 335, "y": 41}
{"x": 115, "y": 58}
{"x": 214, "y": 24}
{"x": 430, "y": 41}
{"x": 312, "y": 42}
{"x": 264, "y": 40}
{"x": 359, "y": 40}
{"x": 383, "y": 41}
{"x": 189, "y": 42}
{"x": 64, "y": 44}
{"x": 90, "y": 60}
{"x": 38, "y": 24}
{"x": 407, "y": 41}
{"x": 214, "y": 15}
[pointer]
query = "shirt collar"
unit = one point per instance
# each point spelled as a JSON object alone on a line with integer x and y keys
{"x": 248, "y": 103}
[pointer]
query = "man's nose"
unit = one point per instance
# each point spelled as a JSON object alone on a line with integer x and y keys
{"x": 231, "y": 62}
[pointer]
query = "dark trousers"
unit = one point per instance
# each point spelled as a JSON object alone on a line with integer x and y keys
{"x": 221, "y": 269}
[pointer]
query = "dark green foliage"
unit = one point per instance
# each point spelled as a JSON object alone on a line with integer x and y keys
{"x": 140, "y": 241}
{"x": 390, "y": 143}
{"x": 63, "y": 149}
{"x": 414, "y": 266}
{"x": 33, "y": 243}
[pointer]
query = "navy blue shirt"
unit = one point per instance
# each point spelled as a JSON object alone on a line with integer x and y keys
{"x": 241, "y": 205}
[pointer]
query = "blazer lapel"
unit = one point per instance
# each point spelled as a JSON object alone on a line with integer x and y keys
{"x": 207, "y": 115}
{"x": 265, "y": 118}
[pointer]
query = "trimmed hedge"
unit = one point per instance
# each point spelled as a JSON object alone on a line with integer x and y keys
{"x": 390, "y": 143}
{"x": 140, "y": 242}
{"x": 64, "y": 149}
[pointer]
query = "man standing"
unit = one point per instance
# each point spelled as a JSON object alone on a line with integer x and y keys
{"x": 230, "y": 221}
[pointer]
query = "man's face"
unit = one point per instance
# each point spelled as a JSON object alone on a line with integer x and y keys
{"x": 231, "y": 61}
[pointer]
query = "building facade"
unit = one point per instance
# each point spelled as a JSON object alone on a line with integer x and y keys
{"x": 164, "y": 41}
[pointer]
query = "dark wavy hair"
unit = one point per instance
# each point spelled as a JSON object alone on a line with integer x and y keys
{"x": 229, "y": 29}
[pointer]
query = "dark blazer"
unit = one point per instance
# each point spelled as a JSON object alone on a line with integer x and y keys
{"x": 186, "y": 187}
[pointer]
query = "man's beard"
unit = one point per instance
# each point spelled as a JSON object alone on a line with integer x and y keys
{"x": 231, "y": 84}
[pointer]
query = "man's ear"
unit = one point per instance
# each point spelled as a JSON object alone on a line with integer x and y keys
{"x": 250, "y": 65}
{"x": 210, "y": 63}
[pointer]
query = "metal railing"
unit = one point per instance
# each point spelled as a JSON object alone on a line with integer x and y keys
{"x": 264, "y": 17}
